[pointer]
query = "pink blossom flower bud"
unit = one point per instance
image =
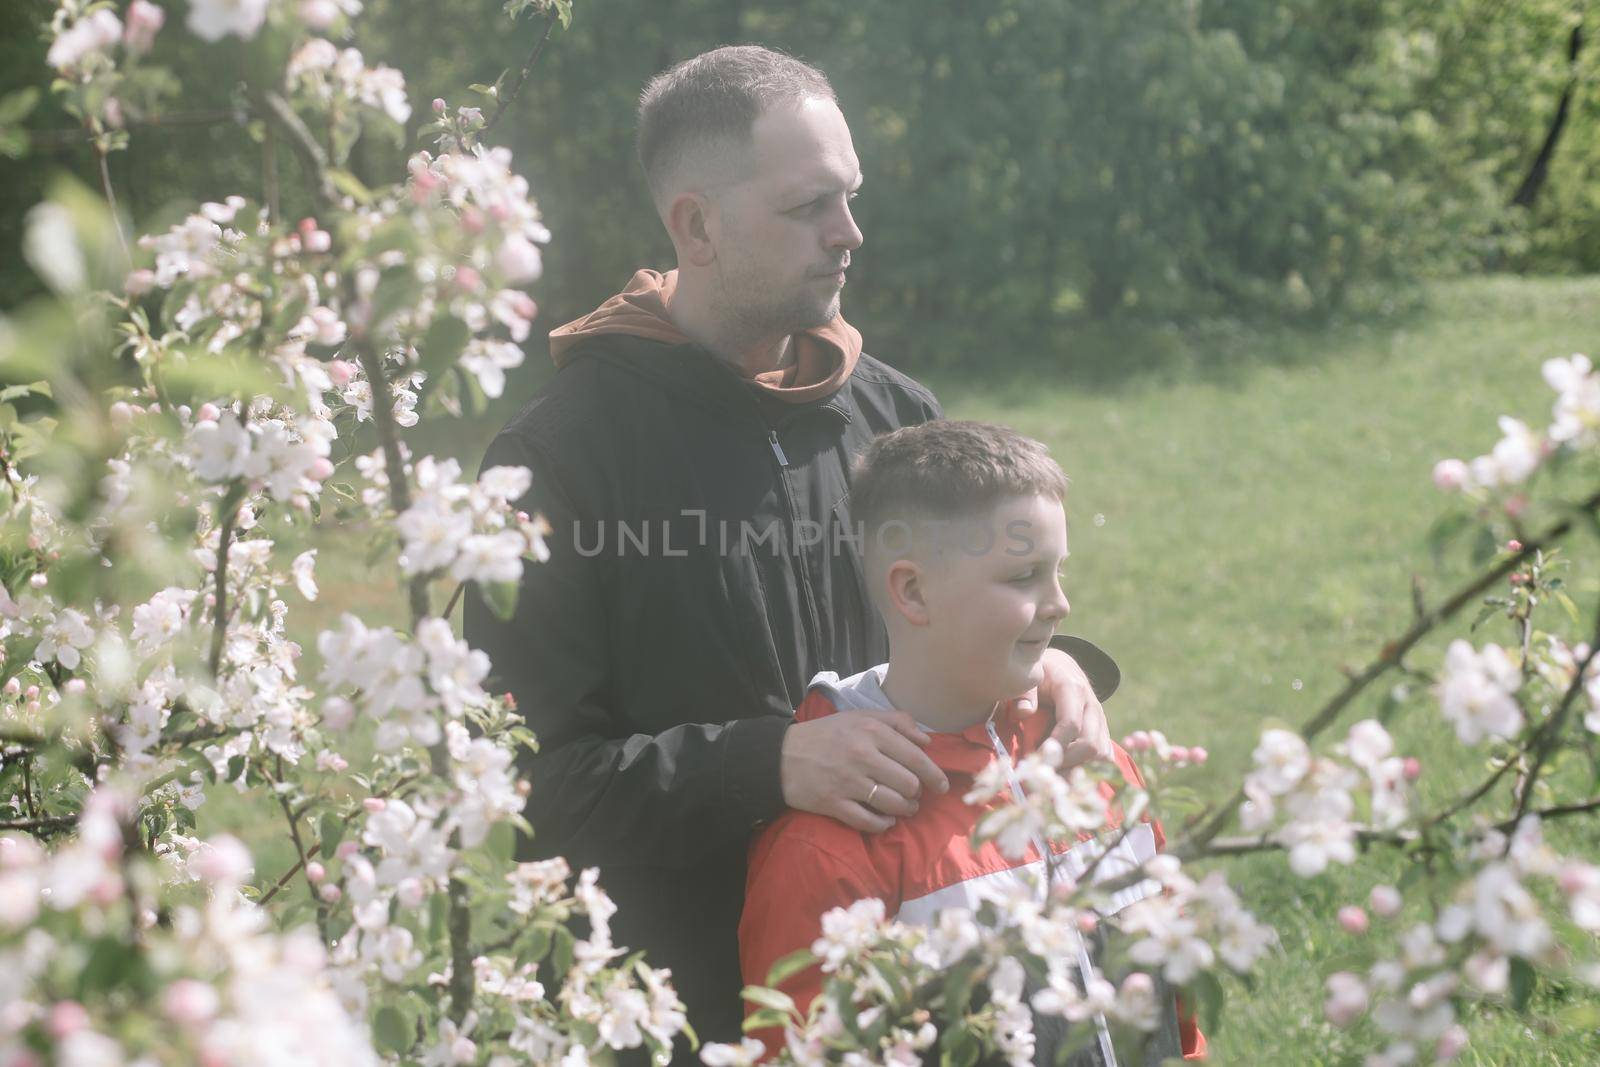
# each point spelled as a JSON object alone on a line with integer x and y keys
{"x": 1451, "y": 1043}
{"x": 111, "y": 111}
{"x": 1517, "y": 578}
{"x": 321, "y": 469}
{"x": 188, "y": 1002}
{"x": 524, "y": 787}
{"x": 1087, "y": 921}
{"x": 439, "y": 105}
{"x": 522, "y": 516}
{"x": 341, "y": 371}
{"x": 209, "y": 412}
{"x": 139, "y": 282}
{"x": 1513, "y": 545}
{"x": 1138, "y": 741}
{"x": 66, "y": 1017}
{"x": 1385, "y": 900}
{"x": 330, "y": 893}
{"x": 337, "y": 713}
{"x": 32, "y": 707}
{"x": 223, "y": 861}
{"x": 307, "y": 225}
{"x": 32, "y": 692}
{"x": 468, "y": 280}
{"x": 1576, "y": 877}
{"x": 121, "y": 415}
{"x": 347, "y": 849}
{"x": 1412, "y": 768}
{"x": 318, "y": 242}
{"x": 1516, "y": 505}
{"x": 12, "y": 687}
{"x": 319, "y": 14}
{"x": 1178, "y": 754}
{"x": 374, "y": 805}
{"x": 39, "y": 580}
{"x": 154, "y": 409}
{"x": 143, "y": 22}
{"x": 1451, "y": 475}
{"x": 471, "y": 219}
{"x": 1198, "y": 755}
{"x": 76, "y": 687}
{"x": 1353, "y": 919}
{"x": 410, "y": 892}
{"x": 499, "y": 212}
{"x": 1347, "y": 999}
{"x": 24, "y": 1058}
{"x": 315, "y": 872}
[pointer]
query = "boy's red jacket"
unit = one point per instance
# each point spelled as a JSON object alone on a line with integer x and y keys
{"x": 805, "y": 864}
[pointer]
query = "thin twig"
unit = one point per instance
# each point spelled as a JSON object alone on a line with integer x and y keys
{"x": 111, "y": 199}
{"x": 52, "y": 139}
{"x": 219, "y": 624}
{"x": 305, "y": 145}
{"x": 47, "y": 822}
{"x": 1391, "y": 655}
{"x": 505, "y": 101}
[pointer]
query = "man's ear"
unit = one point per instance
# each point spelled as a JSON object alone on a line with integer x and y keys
{"x": 907, "y": 594}
{"x": 688, "y": 220}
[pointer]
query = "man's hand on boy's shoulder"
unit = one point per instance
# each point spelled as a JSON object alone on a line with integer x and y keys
{"x": 1081, "y": 726}
{"x": 864, "y": 768}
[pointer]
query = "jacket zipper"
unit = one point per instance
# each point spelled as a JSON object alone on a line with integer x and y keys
{"x": 807, "y": 596}
{"x": 1085, "y": 964}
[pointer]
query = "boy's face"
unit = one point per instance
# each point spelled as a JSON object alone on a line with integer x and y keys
{"x": 994, "y": 597}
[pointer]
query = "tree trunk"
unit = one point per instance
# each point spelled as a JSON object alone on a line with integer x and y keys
{"x": 1533, "y": 183}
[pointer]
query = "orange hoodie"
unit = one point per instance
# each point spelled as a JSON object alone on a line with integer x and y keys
{"x": 824, "y": 356}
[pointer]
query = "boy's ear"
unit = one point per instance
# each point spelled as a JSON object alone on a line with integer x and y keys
{"x": 907, "y": 594}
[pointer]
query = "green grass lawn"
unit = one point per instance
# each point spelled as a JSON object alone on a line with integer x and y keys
{"x": 1248, "y": 509}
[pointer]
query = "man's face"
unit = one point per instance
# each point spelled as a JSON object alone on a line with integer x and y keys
{"x": 783, "y": 232}
{"x": 994, "y": 597}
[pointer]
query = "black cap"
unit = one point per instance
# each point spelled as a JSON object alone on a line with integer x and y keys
{"x": 1104, "y": 674}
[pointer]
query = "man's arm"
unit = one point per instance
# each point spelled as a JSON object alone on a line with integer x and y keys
{"x": 600, "y": 794}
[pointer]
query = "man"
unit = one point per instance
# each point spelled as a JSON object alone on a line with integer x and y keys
{"x": 692, "y": 459}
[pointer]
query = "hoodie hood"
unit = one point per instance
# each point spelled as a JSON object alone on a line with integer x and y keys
{"x": 824, "y": 356}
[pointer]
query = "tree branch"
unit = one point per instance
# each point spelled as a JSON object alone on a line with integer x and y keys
{"x": 305, "y": 145}
{"x": 40, "y": 825}
{"x": 504, "y": 102}
{"x": 1392, "y": 653}
{"x": 219, "y": 620}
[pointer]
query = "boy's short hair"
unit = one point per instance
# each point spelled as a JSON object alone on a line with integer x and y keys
{"x": 717, "y": 95}
{"x": 947, "y": 470}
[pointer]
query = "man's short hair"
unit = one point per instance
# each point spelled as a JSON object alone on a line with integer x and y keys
{"x": 716, "y": 96}
{"x": 947, "y": 470}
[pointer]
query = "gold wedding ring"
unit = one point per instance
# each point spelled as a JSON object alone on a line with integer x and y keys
{"x": 872, "y": 793}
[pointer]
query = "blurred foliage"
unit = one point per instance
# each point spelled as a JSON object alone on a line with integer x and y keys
{"x": 1029, "y": 163}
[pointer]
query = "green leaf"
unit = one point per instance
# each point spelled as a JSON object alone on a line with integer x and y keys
{"x": 331, "y": 827}
{"x": 1523, "y": 980}
{"x": 396, "y": 290}
{"x": 1208, "y": 991}
{"x": 441, "y": 346}
{"x": 235, "y": 766}
{"x": 501, "y": 598}
{"x": 561, "y": 950}
{"x": 790, "y": 965}
{"x": 959, "y": 1047}
{"x": 503, "y": 841}
{"x": 392, "y": 1031}
{"x": 350, "y": 186}
{"x": 765, "y": 1018}
{"x": 1567, "y": 605}
{"x": 762, "y": 997}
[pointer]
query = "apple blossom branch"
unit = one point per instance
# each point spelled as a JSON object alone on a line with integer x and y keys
{"x": 505, "y": 100}
{"x": 1391, "y": 656}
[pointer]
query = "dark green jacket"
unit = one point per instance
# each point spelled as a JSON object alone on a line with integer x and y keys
{"x": 701, "y": 573}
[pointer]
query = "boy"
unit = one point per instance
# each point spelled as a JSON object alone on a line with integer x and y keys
{"x": 963, "y": 534}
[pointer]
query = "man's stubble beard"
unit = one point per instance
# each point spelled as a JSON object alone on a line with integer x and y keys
{"x": 756, "y": 313}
